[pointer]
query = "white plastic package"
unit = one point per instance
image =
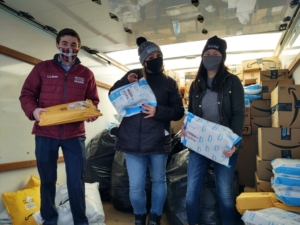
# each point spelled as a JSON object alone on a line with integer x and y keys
{"x": 286, "y": 166}
{"x": 287, "y": 180}
{"x": 128, "y": 99}
{"x": 94, "y": 208}
{"x": 271, "y": 216}
{"x": 289, "y": 195}
{"x": 208, "y": 139}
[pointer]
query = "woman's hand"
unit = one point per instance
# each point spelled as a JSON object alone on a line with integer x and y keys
{"x": 229, "y": 153}
{"x": 149, "y": 110}
{"x": 132, "y": 77}
{"x": 183, "y": 131}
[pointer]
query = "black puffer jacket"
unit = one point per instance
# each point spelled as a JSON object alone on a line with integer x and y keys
{"x": 231, "y": 104}
{"x": 141, "y": 136}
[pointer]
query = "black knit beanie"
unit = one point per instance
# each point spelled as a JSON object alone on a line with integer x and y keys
{"x": 216, "y": 43}
{"x": 146, "y": 48}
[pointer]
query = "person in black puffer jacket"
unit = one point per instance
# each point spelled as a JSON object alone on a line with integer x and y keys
{"x": 146, "y": 137}
{"x": 217, "y": 96}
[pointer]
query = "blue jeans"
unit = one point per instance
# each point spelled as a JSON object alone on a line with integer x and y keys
{"x": 198, "y": 166}
{"x": 136, "y": 167}
{"x": 46, "y": 152}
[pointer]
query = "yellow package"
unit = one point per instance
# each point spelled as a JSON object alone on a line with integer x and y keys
{"x": 21, "y": 205}
{"x": 260, "y": 200}
{"x": 68, "y": 113}
{"x": 33, "y": 182}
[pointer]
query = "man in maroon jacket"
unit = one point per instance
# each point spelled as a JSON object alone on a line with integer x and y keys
{"x": 60, "y": 80}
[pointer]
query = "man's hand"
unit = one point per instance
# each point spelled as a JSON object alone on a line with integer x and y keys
{"x": 36, "y": 113}
{"x": 92, "y": 119}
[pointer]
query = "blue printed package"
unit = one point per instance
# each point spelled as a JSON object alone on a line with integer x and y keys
{"x": 289, "y": 195}
{"x": 208, "y": 139}
{"x": 128, "y": 99}
{"x": 286, "y": 166}
{"x": 270, "y": 216}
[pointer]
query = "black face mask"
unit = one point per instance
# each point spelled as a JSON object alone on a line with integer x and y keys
{"x": 155, "y": 65}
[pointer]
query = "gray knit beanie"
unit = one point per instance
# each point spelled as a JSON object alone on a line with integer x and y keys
{"x": 146, "y": 48}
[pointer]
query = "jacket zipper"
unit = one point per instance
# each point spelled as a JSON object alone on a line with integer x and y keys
{"x": 63, "y": 101}
{"x": 140, "y": 131}
{"x": 221, "y": 101}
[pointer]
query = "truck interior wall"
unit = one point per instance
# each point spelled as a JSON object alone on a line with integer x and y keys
{"x": 17, "y": 142}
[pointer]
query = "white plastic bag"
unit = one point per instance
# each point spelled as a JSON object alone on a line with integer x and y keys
{"x": 94, "y": 208}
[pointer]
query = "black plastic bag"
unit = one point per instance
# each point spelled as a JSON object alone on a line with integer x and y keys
{"x": 177, "y": 186}
{"x": 99, "y": 156}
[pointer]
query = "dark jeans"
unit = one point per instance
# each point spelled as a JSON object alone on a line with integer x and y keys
{"x": 198, "y": 166}
{"x": 75, "y": 159}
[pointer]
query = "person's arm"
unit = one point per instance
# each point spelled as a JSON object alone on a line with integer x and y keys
{"x": 174, "y": 111}
{"x": 190, "y": 105}
{"x": 237, "y": 106}
{"x": 92, "y": 94}
{"x": 91, "y": 91}
{"x": 126, "y": 80}
{"x": 30, "y": 93}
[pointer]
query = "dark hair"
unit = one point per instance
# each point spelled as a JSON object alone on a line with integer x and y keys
{"x": 217, "y": 81}
{"x": 69, "y": 32}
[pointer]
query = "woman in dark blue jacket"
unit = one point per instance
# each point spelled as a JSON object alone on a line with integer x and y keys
{"x": 145, "y": 137}
{"x": 217, "y": 96}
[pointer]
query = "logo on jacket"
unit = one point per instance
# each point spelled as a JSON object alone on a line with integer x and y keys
{"x": 52, "y": 76}
{"x": 79, "y": 80}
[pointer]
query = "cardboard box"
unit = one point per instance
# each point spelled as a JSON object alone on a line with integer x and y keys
{"x": 180, "y": 10}
{"x": 274, "y": 74}
{"x": 285, "y": 106}
{"x": 246, "y": 130}
{"x": 262, "y": 185}
{"x": 188, "y": 26}
{"x": 246, "y": 161}
{"x": 238, "y": 72}
{"x": 257, "y": 122}
{"x": 278, "y": 143}
{"x": 261, "y": 63}
{"x": 176, "y": 125}
{"x": 269, "y": 85}
{"x": 258, "y": 15}
{"x": 250, "y": 75}
{"x": 247, "y": 117}
{"x": 260, "y": 108}
{"x": 174, "y": 75}
{"x": 249, "y": 81}
{"x": 272, "y": 63}
{"x": 264, "y": 169}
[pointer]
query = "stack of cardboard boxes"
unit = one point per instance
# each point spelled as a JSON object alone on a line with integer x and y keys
{"x": 252, "y": 68}
{"x": 254, "y": 163}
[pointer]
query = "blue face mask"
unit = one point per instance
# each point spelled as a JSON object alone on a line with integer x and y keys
{"x": 212, "y": 62}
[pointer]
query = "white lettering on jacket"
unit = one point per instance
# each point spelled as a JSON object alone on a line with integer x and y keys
{"x": 52, "y": 76}
{"x": 79, "y": 80}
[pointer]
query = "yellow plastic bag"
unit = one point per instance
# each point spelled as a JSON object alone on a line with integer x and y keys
{"x": 68, "y": 113}
{"x": 22, "y": 204}
{"x": 33, "y": 182}
{"x": 260, "y": 200}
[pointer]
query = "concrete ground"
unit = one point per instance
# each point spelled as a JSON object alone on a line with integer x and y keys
{"x": 116, "y": 217}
